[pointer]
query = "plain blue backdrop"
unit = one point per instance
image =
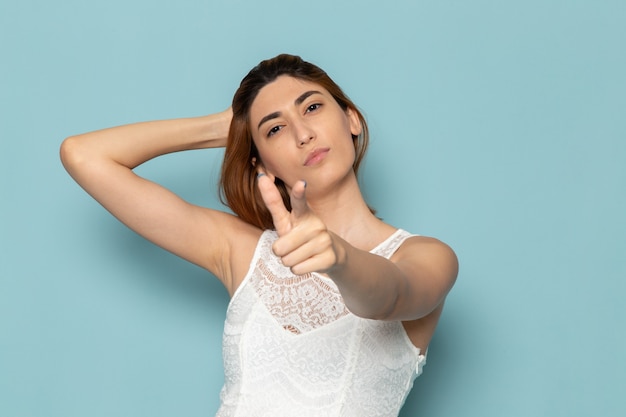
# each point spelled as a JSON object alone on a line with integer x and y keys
{"x": 498, "y": 127}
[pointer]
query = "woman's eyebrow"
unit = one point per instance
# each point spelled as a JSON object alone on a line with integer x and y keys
{"x": 268, "y": 117}
{"x": 297, "y": 102}
{"x": 304, "y": 96}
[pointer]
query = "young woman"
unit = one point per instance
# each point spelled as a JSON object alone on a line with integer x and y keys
{"x": 332, "y": 309}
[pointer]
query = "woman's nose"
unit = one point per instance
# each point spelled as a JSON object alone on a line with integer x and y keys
{"x": 304, "y": 134}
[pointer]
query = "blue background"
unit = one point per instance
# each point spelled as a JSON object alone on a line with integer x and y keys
{"x": 499, "y": 127}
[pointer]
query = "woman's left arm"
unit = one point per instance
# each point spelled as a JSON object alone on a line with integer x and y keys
{"x": 408, "y": 286}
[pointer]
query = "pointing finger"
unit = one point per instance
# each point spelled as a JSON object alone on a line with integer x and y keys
{"x": 274, "y": 203}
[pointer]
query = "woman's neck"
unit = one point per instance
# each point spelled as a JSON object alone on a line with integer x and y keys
{"x": 345, "y": 212}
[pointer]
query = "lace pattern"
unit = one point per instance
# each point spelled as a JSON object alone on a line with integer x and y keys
{"x": 291, "y": 347}
{"x": 300, "y": 303}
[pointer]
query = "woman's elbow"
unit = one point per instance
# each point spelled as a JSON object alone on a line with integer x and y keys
{"x": 71, "y": 153}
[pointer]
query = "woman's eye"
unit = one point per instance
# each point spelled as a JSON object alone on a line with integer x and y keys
{"x": 313, "y": 107}
{"x": 273, "y": 131}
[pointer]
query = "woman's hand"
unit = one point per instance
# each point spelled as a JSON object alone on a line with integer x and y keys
{"x": 304, "y": 243}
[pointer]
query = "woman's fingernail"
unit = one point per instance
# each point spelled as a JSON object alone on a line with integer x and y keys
{"x": 260, "y": 174}
{"x": 304, "y": 183}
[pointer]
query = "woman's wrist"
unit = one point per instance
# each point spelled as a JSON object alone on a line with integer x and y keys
{"x": 216, "y": 127}
{"x": 222, "y": 126}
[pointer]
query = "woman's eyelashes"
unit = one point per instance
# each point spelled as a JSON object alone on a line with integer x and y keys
{"x": 274, "y": 130}
{"x": 313, "y": 107}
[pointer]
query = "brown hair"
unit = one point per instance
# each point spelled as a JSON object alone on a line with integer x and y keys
{"x": 238, "y": 178}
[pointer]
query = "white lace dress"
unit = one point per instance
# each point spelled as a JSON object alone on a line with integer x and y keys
{"x": 291, "y": 347}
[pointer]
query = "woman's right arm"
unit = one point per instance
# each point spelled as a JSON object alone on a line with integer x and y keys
{"x": 102, "y": 163}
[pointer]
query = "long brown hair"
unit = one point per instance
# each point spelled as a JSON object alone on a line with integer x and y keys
{"x": 238, "y": 178}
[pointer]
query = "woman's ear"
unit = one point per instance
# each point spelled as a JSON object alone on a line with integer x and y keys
{"x": 355, "y": 123}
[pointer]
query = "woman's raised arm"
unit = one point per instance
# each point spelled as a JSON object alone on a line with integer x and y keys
{"x": 102, "y": 162}
{"x": 133, "y": 144}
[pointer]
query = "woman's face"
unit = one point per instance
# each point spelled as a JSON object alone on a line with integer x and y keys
{"x": 302, "y": 133}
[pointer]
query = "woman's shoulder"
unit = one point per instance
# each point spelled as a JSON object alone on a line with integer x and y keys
{"x": 425, "y": 247}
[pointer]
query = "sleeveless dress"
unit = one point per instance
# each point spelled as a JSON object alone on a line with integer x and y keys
{"x": 292, "y": 348}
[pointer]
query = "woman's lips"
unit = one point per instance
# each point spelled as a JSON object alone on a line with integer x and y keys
{"x": 316, "y": 156}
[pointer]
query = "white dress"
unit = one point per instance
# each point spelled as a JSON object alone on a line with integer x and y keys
{"x": 292, "y": 348}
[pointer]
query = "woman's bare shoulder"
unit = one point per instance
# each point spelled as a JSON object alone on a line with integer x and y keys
{"x": 427, "y": 249}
